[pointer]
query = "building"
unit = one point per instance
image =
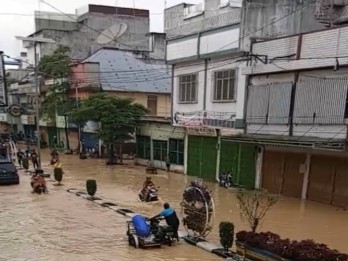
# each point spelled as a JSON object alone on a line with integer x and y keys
{"x": 91, "y": 28}
{"x": 267, "y": 19}
{"x": 208, "y": 90}
{"x": 297, "y": 115}
{"x": 133, "y": 74}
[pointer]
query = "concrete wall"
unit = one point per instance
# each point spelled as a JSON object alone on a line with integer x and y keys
{"x": 157, "y": 45}
{"x": 258, "y": 14}
{"x": 85, "y": 74}
{"x": 175, "y": 23}
{"x": 80, "y": 32}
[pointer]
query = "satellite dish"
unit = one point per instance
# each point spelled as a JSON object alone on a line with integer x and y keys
{"x": 112, "y": 33}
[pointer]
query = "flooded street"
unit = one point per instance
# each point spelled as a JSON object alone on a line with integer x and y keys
{"x": 62, "y": 226}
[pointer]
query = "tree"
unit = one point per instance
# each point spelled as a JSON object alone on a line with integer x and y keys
{"x": 254, "y": 205}
{"x": 117, "y": 118}
{"x": 56, "y": 67}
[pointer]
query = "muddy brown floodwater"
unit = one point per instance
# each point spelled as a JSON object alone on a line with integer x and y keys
{"x": 62, "y": 226}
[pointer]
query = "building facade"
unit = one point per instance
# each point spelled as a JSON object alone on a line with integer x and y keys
{"x": 91, "y": 28}
{"x": 135, "y": 75}
{"x": 296, "y": 113}
{"x": 208, "y": 88}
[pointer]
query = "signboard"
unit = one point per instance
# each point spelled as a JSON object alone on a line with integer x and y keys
{"x": 206, "y": 119}
{"x": 91, "y": 127}
{"x": 3, "y": 117}
{"x": 201, "y": 132}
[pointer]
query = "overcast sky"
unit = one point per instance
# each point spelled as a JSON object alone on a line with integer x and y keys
{"x": 23, "y": 23}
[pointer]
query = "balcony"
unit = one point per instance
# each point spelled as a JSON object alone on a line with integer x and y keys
{"x": 205, "y": 119}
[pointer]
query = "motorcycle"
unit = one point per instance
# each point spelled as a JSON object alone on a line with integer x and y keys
{"x": 226, "y": 180}
{"x": 163, "y": 234}
{"x": 39, "y": 189}
{"x": 152, "y": 195}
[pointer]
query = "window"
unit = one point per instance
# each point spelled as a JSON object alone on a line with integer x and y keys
{"x": 160, "y": 150}
{"x": 188, "y": 88}
{"x": 224, "y": 85}
{"x": 176, "y": 151}
{"x": 152, "y": 104}
{"x": 143, "y": 147}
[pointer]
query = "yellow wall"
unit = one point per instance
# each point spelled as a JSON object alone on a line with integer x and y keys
{"x": 163, "y": 100}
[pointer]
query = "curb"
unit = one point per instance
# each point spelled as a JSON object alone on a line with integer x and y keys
{"x": 198, "y": 242}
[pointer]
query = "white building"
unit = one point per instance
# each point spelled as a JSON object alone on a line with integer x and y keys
{"x": 297, "y": 111}
{"x": 208, "y": 87}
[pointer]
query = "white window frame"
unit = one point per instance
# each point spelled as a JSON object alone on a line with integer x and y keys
{"x": 220, "y": 80}
{"x": 186, "y": 83}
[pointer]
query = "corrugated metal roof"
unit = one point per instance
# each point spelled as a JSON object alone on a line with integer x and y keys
{"x": 124, "y": 71}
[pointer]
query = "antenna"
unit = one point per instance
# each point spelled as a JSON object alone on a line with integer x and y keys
{"x": 112, "y": 33}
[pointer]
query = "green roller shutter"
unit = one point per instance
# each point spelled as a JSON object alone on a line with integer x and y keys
{"x": 209, "y": 154}
{"x": 240, "y": 159}
{"x": 194, "y": 156}
{"x": 229, "y": 158}
{"x": 247, "y": 166}
{"x": 202, "y": 157}
{"x": 51, "y": 133}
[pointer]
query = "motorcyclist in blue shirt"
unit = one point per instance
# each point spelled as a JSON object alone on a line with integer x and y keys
{"x": 171, "y": 218}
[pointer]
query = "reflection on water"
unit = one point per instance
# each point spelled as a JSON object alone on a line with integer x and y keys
{"x": 61, "y": 226}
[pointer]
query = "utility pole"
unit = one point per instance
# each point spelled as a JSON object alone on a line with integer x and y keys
{"x": 331, "y": 13}
{"x": 3, "y": 79}
{"x": 35, "y": 41}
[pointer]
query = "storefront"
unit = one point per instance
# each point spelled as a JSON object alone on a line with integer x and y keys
{"x": 308, "y": 174}
{"x": 156, "y": 140}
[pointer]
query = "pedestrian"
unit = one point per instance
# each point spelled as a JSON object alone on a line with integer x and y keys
{"x": 34, "y": 159}
{"x": 20, "y": 156}
{"x": 168, "y": 163}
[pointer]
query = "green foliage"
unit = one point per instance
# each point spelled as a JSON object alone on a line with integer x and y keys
{"x": 226, "y": 232}
{"x": 254, "y": 205}
{"x": 56, "y": 67}
{"x": 117, "y": 116}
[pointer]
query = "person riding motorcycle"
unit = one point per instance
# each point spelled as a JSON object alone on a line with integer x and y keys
{"x": 37, "y": 181}
{"x": 146, "y": 187}
{"x": 171, "y": 218}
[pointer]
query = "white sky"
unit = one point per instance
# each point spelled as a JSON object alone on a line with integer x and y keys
{"x": 12, "y": 25}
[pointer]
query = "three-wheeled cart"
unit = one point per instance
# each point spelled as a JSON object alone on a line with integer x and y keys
{"x": 140, "y": 242}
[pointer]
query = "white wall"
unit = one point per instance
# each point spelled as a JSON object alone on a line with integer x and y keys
{"x": 181, "y": 48}
{"x": 219, "y": 40}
